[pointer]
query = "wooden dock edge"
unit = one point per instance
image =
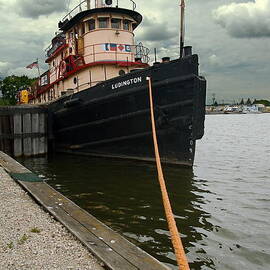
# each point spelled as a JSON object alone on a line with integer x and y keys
{"x": 109, "y": 247}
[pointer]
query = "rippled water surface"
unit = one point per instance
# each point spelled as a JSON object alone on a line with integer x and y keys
{"x": 222, "y": 206}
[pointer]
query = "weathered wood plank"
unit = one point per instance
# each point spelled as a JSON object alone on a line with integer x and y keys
{"x": 114, "y": 250}
{"x": 116, "y": 242}
{"x": 35, "y": 129}
{"x": 42, "y": 129}
{"x": 27, "y": 142}
{"x": 21, "y": 127}
{"x": 113, "y": 241}
{"x": 6, "y": 130}
{"x": 17, "y": 126}
{"x": 21, "y": 109}
{"x": 11, "y": 165}
{"x": 53, "y": 201}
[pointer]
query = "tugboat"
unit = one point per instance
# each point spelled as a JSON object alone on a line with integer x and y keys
{"x": 97, "y": 92}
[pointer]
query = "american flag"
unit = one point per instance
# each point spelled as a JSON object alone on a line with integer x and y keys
{"x": 34, "y": 64}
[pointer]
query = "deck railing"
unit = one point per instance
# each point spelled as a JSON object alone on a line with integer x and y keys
{"x": 97, "y": 52}
{"x": 111, "y": 52}
{"x": 53, "y": 48}
{"x": 92, "y": 4}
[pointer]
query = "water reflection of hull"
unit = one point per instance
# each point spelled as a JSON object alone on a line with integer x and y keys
{"x": 135, "y": 210}
{"x": 113, "y": 119}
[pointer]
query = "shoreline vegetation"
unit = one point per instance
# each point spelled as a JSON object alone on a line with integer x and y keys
{"x": 260, "y": 106}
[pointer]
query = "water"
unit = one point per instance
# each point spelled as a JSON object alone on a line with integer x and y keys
{"x": 222, "y": 206}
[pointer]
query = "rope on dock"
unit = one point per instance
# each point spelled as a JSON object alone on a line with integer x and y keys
{"x": 176, "y": 240}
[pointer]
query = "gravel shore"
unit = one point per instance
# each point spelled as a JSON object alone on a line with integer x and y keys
{"x": 31, "y": 239}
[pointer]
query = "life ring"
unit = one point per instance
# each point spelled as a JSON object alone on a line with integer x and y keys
{"x": 63, "y": 67}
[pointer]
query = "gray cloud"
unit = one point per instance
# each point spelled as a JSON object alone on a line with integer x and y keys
{"x": 36, "y": 8}
{"x": 234, "y": 68}
{"x": 245, "y": 20}
{"x": 155, "y": 31}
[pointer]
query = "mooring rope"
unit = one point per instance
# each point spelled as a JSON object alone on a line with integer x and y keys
{"x": 176, "y": 240}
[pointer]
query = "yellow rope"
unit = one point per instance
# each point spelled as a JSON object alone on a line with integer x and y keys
{"x": 176, "y": 240}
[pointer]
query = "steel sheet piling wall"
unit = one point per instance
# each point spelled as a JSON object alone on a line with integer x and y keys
{"x": 23, "y": 130}
{"x": 17, "y": 121}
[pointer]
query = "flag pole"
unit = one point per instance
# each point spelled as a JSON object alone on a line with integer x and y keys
{"x": 38, "y": 68}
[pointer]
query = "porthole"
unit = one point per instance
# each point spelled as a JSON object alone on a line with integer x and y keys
{"x": 75, "y": 80}
{"x": 122, "y": 72}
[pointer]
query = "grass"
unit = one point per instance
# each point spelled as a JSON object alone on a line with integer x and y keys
{"x": 10, "y": 245}
{"x": 35, "y": 230}
{"x": 23, "y": 239}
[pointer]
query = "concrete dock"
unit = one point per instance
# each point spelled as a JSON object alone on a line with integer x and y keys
{"x": 31, "y": 239}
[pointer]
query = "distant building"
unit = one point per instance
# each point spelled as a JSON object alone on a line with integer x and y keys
{"x": 261, "y": 107}
{"x": 255, "y": 108}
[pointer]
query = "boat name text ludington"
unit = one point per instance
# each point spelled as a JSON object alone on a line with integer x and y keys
{"x": 127, "y": 83}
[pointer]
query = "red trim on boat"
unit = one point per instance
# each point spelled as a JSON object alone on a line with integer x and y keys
{"x": 119, "y": 63}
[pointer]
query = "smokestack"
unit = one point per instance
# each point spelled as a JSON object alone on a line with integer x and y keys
{"x": 166, "y": 59}
{"x": 187, "y": 51}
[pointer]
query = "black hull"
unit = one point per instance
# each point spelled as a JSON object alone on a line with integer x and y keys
{"x": 112, "y": 119}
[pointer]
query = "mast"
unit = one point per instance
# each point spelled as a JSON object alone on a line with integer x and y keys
{"x": 182, "y": 27}
{"x": 88, "y": 3}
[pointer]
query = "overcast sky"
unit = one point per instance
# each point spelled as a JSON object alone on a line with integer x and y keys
{"x": 232, "y": 38}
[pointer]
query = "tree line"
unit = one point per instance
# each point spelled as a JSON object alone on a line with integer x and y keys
{"x": 265, "y": 102}
{"x": 11, "y": 85}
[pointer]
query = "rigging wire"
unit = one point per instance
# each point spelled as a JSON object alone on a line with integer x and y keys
{"x": 68, "y": 4}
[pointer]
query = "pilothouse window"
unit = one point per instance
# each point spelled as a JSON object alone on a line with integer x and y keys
{"x": 134, "y": 25}
{"x": 103, "y": 23}
{"x": 126, "y": 24}
{"x": 116, "y": 23}
{"x": 82, "y": 29}
{"x": 92, "y": 24}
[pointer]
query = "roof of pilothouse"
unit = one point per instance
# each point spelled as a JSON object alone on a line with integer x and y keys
{"x": 67, "y": 24}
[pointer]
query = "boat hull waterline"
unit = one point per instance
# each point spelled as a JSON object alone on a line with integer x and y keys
{"x": 112, "y": 119}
